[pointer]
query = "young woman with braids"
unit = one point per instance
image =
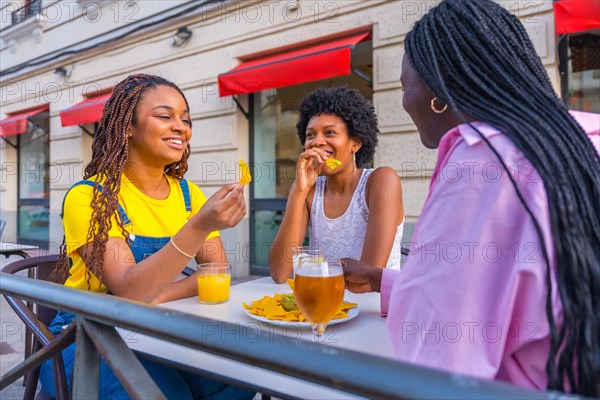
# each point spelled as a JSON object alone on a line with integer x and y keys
{"x": 503, "y": 280}
{"x": 133, "y": 224}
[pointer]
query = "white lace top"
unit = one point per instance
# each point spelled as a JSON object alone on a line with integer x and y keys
{"x": 344, "y": 236}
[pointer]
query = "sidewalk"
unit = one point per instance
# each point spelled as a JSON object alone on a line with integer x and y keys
{"x": 12, "y": 337}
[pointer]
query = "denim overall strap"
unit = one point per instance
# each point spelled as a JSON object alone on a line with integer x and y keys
{"x": 122, "y": 213}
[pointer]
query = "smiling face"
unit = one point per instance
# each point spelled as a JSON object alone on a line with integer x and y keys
{"x": 330, "y": 133}
{"x": 162, "y": 129}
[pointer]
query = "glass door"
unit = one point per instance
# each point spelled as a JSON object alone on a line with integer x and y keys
{"x": 275, "y": 150}
{"x": 33, "y": 202}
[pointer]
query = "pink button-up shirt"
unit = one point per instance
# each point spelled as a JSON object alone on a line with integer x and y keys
{"x": 471, "y": 298}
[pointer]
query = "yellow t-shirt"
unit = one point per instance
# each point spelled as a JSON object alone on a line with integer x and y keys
{"x": 148, "y": 216}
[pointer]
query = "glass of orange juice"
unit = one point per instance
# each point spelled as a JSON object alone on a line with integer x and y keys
{"x": 214, "y": 280}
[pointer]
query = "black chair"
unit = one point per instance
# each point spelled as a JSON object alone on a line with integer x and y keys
{"x": 37, "y": 322}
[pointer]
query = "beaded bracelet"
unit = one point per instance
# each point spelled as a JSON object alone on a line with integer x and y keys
{"x": 179, "y": 250}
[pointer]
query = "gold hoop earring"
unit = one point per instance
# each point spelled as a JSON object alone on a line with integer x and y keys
{"x": 435, "y": 110}
{"x": 353, "y": 161}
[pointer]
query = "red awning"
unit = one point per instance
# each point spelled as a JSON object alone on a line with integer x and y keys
{"x": 306, "y": 64}
{"x": 86, "y": 112}
{"x": 572, "y": 16}
{"x": 17, "y": 123}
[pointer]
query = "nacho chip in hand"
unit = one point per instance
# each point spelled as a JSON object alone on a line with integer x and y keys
{"x": 332, "y": 163}
{"x": 245, "y": 177}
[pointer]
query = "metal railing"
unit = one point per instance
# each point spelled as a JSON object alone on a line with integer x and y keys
{"x": 32, "y": 8}
{"x": 341, "y": 369}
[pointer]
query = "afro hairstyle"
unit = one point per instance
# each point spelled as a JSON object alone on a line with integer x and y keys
{"x": 352, "y": 108}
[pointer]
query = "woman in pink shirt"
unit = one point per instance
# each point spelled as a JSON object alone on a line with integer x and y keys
{"x": 503, "y": 280}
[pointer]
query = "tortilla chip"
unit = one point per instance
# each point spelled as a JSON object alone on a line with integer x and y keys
{"x": 245, "y": 177}
{"x": 332, "y": 163}
{"x": 348, "y": 306}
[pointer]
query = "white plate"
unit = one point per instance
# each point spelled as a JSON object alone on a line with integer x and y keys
{"x": 353, "y": 312}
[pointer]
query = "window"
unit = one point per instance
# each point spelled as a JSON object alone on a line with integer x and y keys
{"x": 584, "y": 72}
{"x": 31, "y": 7}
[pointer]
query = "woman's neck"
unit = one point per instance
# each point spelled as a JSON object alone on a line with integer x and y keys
{"x": 150, "y": 181}
{"x": 450, "y": 121}
{"x": 344, "y": 182}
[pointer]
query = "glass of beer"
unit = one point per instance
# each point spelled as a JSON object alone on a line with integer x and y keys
{"x": 319, "y": 293}
{"x": 214, "y": 280}
{"x": 305, "y": 253}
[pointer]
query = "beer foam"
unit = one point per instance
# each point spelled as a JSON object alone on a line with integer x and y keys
{"x": 317, "y": 269}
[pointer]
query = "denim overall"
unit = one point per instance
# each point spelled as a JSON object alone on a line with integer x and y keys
{"x": 173, "y": 383}
{"x": 141, "y": 246}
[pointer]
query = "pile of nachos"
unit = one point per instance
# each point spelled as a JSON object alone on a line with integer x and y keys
{"x": 282, "y": 307}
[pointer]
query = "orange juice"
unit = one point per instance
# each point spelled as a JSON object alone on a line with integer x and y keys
{"x": 319, "y": 298}
{"x": 213, "y": 288}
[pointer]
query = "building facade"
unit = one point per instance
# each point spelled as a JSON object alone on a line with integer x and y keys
{"x": 59, "y": 59}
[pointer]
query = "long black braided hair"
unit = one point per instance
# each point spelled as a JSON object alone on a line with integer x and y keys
{"x": 477, "y": 58}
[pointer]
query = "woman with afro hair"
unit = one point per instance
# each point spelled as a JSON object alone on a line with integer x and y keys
{"x": 351, "y": 210}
